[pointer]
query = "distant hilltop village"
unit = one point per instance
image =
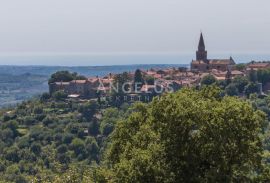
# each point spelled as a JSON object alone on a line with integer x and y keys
{"x": 157, "y": 81}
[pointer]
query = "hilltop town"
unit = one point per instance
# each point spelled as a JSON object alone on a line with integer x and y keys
{"x": 156, "y": 81}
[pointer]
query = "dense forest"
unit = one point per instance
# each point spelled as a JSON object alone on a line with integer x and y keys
{"x": 206, "y": 134}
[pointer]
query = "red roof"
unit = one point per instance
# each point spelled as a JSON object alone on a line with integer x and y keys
{"x": 259, "y": 65}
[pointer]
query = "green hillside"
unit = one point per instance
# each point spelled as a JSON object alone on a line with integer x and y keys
{"x": 202, "y": 134}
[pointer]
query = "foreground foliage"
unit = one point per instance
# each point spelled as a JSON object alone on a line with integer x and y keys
{"x": 189, "y": 136}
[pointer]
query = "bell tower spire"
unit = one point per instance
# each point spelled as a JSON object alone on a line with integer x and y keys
{"x": 201, "y": 45}
{"x": 201, "y": 54}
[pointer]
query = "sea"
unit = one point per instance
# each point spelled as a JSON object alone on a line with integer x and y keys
{"x": 102, "y": 64}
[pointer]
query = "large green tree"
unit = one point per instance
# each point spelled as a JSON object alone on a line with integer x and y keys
{"x": 240, "y": 82}
{"x": 208, "y": 80}
{"x": 252, "y": 76}
{"x": 188, "y": 136}
{"x": 232, "y": 90}
{"x": 263, "y": 76}
{"x": 65, "y": 76}
{"x": 138, "y": 79}
{"x": 120, "y": 88}
{"x": 251, "y": 88}
{"x": 121, "y": 83}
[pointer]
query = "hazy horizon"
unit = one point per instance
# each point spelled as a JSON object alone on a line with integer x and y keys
{"x": 115, "y": 59}
{"x": 121, "y": 27}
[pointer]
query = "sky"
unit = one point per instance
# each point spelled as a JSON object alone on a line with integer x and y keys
{"x": 133, "y": 26}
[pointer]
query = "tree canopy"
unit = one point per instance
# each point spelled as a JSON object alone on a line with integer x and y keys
{"x": 263, "y": 76}
{"x": 189, "y": 136}
{"x": 138, "y": 79}
{"x": 208, "y": 80}
{"x": 65, "y": 76}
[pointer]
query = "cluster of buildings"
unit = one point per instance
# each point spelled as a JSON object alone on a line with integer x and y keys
{"x": 170, "y": 79}
{"x": 163, "y": 80}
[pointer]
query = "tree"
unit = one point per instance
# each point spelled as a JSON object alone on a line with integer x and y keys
{"x": 92, "y": 148}
{"x": 251, "y": 88}
{"x": 45, "y": 96}
{"x": 252, "y": 76}
{"x": 48, "y": 120}
{"x": 231, "y": 90}
{"x": 88, "y": 110}
{"x": 208, "y": 80}
{"x": 59, "y": 95}
{"x": 107, "y": 129}
{"x": 93, "y": 128}
{"x": 65, "y": 76}
{"x": 29, "y": 120}
{"x": 77, "y": 146}
{"x": 12, "y": 154}
{"x": 240, "y": 82}
{"x": 263, "y": 76}
{"x": 12, "y": 125}
{"x": 121, "y": 87}
{"x": 150, "y": 80}
{"x": 63, "y": 158}
{"x": 109, "y": 119}
{"x": 182, "y": 69}
{"x": 138, "y": 79}
{"x": 240, "y": 67}
{"x": 121, "y": 83}
{"x": 189, "y": 136}
{"x": 36, "y": 148}
{"x": 38, "y": 110}
{"x": 67, "y": 138}
{"x": 62, "y": 149}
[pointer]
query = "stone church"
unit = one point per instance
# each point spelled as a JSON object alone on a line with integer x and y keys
{"x": 203, "y": 64}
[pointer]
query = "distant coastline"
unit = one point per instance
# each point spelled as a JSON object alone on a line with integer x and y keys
{"x": 84, "y": 70}
{"x": 71, "y": 60}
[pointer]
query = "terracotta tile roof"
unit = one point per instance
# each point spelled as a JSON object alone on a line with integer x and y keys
{"x": 259, "y": 65}
{"x": 151, "y": 73}
{"x": 223, "y": 73}
{"x": 220, "y": 61}
{"x": 220, "y": 78}
{"x": 157, "y": 76}
{"x": 107, "y": 80}
{"x": 94, "y": 79}
{"x": 236, "y": 72}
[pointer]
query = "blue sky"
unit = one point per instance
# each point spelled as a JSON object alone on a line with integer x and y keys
{"x": 133, "y": 26}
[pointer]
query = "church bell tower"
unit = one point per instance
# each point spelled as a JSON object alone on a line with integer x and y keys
{"x": 201, "y": 54}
